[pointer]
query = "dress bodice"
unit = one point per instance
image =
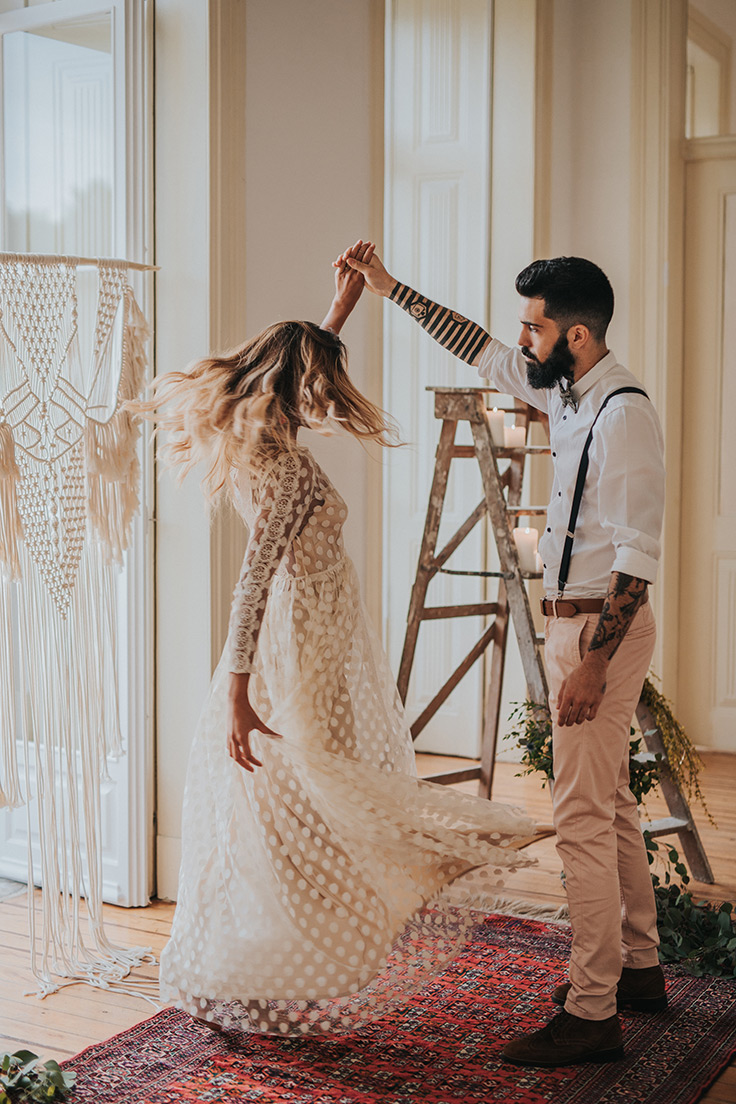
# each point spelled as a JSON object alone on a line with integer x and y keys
{"x": 295, "y": 518}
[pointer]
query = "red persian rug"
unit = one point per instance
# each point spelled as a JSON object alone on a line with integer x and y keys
{"x": 441, "y": 1048}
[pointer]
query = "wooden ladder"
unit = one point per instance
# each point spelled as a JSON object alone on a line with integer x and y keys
{"x": 501, "y": 502}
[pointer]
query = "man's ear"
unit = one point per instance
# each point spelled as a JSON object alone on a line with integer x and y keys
{"x": 578, "y": 336}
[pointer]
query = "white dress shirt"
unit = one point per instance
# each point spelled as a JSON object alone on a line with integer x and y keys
{"x": 620, "y": 519}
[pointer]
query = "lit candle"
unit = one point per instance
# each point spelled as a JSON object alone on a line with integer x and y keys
{"x": 526, "y": 545}
{"x": 495, "y": 420}
{"x": 514, "y": 436}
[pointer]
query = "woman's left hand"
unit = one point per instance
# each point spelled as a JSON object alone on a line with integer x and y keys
{"x": 242, "y": 719}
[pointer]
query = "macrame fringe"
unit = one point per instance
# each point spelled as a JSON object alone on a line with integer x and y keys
{"x": 11, "y": 794}
{"x": 112, "y": 447}
{"x": 11, "y": 526}
{"x": 59, "y": 700}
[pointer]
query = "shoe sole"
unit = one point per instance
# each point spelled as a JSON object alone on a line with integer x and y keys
{"x": 632, "y": 1004}
{"x": 598, "y": 1057}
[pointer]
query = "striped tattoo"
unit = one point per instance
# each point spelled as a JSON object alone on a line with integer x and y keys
{"x": 453, "y": 331}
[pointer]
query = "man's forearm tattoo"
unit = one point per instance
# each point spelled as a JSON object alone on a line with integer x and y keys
{"x": 625, "y": 595}
{"x": 453, "y": 331}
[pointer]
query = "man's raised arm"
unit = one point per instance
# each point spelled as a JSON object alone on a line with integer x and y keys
{"x": 457, "y": 334}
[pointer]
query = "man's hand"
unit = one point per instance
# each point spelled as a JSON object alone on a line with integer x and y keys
{"x": 241, "y": 721}
{"x": 377, "y": 279}
{"x": 582, "y": 691}
{"x": 349, "y": 285}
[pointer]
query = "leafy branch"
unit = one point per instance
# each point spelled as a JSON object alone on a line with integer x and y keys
{"x": 25, "y": 1078}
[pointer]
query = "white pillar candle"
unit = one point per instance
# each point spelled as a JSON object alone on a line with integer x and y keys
{"x": 495, "y": 420}
{"x": 526, "y": 545}
{"x": 514, "y": 436}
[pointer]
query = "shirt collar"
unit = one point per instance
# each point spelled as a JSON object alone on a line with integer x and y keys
{"x": 594, "y": 374}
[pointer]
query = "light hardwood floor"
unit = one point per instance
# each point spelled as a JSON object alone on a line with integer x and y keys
{"x": 66, "y": 1022}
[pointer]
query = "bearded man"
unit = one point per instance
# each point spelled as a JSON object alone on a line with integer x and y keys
{"x": 599, "y": 628}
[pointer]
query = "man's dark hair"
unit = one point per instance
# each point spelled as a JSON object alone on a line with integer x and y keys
{"x": 574, "y": 291}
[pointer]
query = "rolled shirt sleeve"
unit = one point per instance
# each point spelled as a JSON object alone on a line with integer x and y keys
{"x": 628, "y": 455}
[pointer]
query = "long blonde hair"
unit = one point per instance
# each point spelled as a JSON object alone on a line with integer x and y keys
{"x": 241, "y": 408}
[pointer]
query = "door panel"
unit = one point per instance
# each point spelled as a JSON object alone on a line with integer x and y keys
{"x": 707, "y": 649}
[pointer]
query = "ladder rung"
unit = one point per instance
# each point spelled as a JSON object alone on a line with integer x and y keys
{"x": 529, "y": 450}
{"x": 478, "y": 609}
{"x": 530, "y": 510}
{"x": 446, "y": 777}
{"x": 539, "y": 637}
{"x": 666, "y": 826}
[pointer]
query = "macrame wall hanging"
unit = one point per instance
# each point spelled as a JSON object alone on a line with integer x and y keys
{"x": 69, "y": 487}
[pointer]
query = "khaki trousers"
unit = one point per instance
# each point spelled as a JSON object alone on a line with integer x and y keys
{"x": 599, "y": 840}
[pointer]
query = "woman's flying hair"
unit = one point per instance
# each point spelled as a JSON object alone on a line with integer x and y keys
{"x": 239, "y": 409}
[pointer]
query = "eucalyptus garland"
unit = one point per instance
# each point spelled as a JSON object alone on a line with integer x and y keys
{"x": 699, "y": 936}
{"x": 24, "y": 1078}
{"x": 682, "y": 759}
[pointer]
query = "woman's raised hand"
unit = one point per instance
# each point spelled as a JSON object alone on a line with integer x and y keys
{"x": 377, "y": 279}
{"x": 242, "y": 719}
{"x": 349, "y": 283}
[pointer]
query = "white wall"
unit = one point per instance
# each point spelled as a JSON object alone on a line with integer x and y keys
{"x": 313, "y": 183}
{"x": 589, "y": 116}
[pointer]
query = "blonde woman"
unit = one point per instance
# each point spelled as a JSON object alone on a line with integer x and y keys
{"x": 312, "y": 890}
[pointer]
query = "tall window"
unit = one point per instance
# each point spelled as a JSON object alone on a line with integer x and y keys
{"x": 74, "y": 180}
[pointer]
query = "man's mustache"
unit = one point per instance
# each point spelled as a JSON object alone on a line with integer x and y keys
{"x": 528, "y": 354}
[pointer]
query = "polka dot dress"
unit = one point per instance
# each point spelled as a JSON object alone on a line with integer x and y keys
{"x": 313, "y": 893}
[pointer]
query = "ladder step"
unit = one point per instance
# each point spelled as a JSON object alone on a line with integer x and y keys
{"x": 477, "y": 609}
{"x": 521, "y": 511}
{"x": 447, "y": 777}
{"x": 666, "y": 826}
{"x": 539, "y": 637}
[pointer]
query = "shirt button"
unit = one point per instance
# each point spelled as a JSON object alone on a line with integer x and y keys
{"x": 559, "y": 494}
{"x": 548, "y": 529}
{"x": 554, "y": 453}
{"x": 564, "y": 417}
{"x": 544, "y": 565}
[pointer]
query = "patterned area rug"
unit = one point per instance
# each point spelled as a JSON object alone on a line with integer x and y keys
{"x": 441, "y": 1048}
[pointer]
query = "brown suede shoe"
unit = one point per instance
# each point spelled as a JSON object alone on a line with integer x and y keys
{"x": 638, "y": 990}
{"x": 567, "y": 1041}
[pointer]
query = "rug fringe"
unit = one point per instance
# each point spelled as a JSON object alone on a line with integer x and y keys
{"x": 529, "y": 910}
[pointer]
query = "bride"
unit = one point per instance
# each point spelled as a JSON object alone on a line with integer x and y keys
{"x": 314, "y": 886}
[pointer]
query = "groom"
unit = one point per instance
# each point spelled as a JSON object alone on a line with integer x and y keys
{"x": 599, "y": 627}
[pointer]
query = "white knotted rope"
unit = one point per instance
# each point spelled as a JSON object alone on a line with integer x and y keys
{"x": 69, "y": 485}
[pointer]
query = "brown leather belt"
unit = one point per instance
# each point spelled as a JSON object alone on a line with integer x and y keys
{"x": 569, "y": 607}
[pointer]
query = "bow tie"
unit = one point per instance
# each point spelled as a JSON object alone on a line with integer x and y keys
{"x": 567, "y": 395}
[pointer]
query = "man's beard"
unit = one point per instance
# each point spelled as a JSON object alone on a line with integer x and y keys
{"x": 559, "y": 365}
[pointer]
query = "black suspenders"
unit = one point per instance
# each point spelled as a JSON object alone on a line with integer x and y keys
{"x": 580, "y": 484}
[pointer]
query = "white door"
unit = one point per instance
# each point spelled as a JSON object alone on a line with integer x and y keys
{"x": 74, "y": 181}
{"x": 707, "y": 651}
{"x": 438, "y": 125}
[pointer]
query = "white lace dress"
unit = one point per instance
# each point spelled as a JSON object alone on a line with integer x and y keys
{"x": 312, "y": 893}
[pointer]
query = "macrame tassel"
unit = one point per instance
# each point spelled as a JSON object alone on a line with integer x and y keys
{"x": 11, "y": 526}
{"x": 112, "y": 460}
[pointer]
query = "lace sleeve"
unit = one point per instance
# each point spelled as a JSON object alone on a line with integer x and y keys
{"x": 285, "y": 498}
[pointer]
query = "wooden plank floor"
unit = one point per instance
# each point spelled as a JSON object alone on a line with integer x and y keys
{"x": 75, "y": 1017}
